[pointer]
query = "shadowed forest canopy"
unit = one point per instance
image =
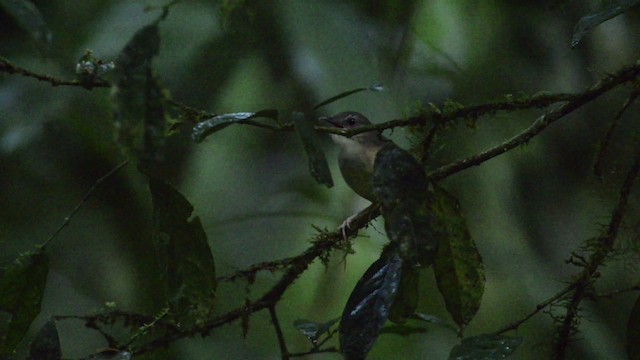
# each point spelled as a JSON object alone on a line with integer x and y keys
{"x": 169, "y": 189}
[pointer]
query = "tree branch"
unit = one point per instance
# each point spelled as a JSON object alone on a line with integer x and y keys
{"x": 82, "y": 201}
{"x": 276, "y": 326}
{"x": 604, "y": 246}
{"x": 7, "y": 67}
{"x": 541, "y": 306}
{"x": 627, "y": 74}
{"x": 321, "y": 248}
{"x": 604, "y": 142}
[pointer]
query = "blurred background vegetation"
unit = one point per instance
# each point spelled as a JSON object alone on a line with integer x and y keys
{"x": 527, "y": 210}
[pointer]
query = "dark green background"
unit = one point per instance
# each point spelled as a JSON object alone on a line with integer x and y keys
{"x": 527, "y": 209}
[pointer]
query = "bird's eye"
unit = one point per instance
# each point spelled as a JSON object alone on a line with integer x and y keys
{"x": 351, "y": 121}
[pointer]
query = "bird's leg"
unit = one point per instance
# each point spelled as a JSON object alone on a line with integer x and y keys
{"x": 358, "y": 219}
{"x": 346, "y": 225}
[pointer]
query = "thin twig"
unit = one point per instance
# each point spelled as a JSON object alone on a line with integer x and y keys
{"x": 541, "y": 306}
{"x": 145, "y": 328}
{"x": 605, "y": 245}
{"x": 604, "y": 142}
{"x": 7, "y": 67}
{"x": 84, "y": 199}
{"x": 276, "y": 325}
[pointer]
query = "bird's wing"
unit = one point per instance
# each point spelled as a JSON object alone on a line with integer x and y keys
{"x": 402, "y": 188}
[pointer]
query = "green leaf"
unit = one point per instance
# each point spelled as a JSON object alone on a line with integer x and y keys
{"x": 29, "y": 18}
{"x": 401, "y": 186}
{"x": 314, "y": 330}
{"x": 46, "y": 345}
{"x": 587, "y": 23}
{"x": 485, "y": 347}
{"x": 317, "y": 162}
{"x": 633, "y": 332}
{"x": 458, "y": 266}
{"x": 138, "y": 107}
{"x": 368, "y": 306}
{"x": 207, "y": 127}
{"x": 183, "y": 251}
{"x": 406, "y": 300}
{"x": 21, "y": 288}
{"x": 374, "y": 87}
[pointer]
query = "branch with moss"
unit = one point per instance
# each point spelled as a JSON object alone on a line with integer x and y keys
{"x": 8, "y": 67}
{"x": 293, "y": 267}
{"x": 602, "y": 247}
{"x": 322, "y": 247}
{"x": 623, "y": 76}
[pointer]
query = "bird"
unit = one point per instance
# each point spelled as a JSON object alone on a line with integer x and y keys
{"x": 380, "y": 171}
{"x": 357, "y": 153}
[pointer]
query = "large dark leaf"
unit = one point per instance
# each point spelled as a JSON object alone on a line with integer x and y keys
{"x": 46, "y": 345}
{"x": 27, "y": 15}
{"x": 485, "y": 347}
{"x": 406, "y": 301}
{"x": 401, "y": 186}
{"x": 138, "y": 107}
{"x": 183, "y": 251}
{"x": 368, "y": 306}
{"x": 458, "y": 266}
{"x": 21, "y": 288}
{"x": 317, "y": 162}
{"x": 207, "y": 127}
{"x": 587, "y": 23}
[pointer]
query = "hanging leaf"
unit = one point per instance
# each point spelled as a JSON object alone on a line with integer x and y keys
{"x": 587, "y": 23}
{"x": 368, "y": 306}
{"x": 401, "y": 186}
{"x": 138, "y": 108}
{"x": 633, "y": 332}
{"x": 485, "y": 347}
{"x": 29, "y": 18}
{"x": 183, "y": 251}
{"x": 46, "y": 345}
{"x": 458, "y": 266}
{"x": 21, "y": 288}
{"x": 374, "y": 87}
{"x": 207, "y": 127}
{"x": 314, "y": 330}
{"x": 406, "y": 300}
{"x": 317, "y": 161}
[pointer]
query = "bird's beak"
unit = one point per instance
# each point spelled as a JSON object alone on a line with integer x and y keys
{"x": 331, "y": 121}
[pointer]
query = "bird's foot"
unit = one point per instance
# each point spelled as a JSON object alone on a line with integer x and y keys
{"x": 346, "y": 225}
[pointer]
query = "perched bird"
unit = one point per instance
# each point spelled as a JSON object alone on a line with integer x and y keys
{"x": 382, "y": 172}
{"x": 357, "y": 153}
{"x": 385, "y": 174}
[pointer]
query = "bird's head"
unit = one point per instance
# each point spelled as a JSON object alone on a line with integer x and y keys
{"x": 352, "y": 120}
